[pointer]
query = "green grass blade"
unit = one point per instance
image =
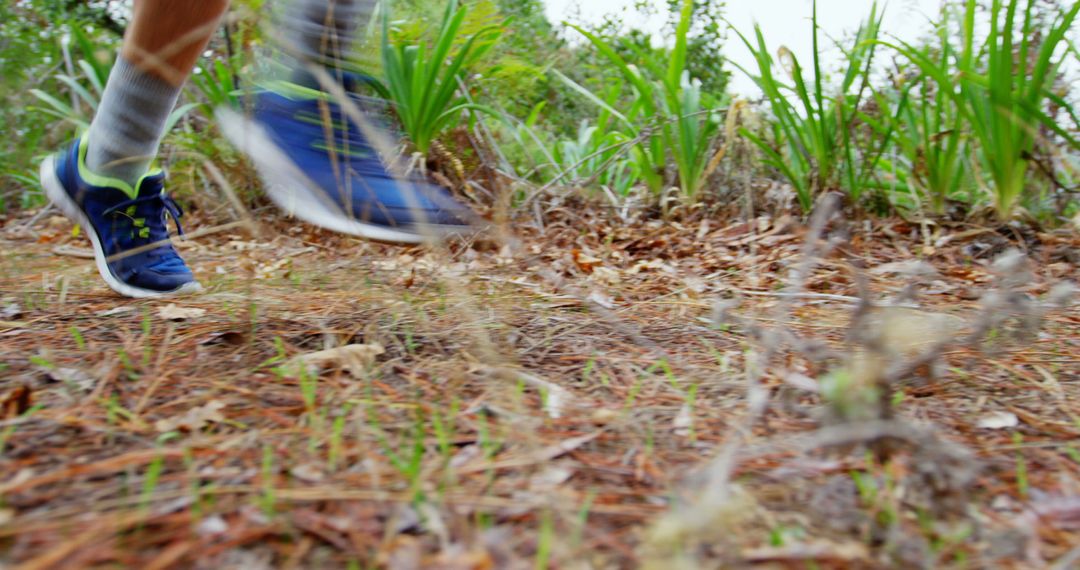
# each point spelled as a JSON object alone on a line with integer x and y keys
{"x": 677, "y": 60}
{"x": 90, "y": 100}
{"x": 592, "y": 98}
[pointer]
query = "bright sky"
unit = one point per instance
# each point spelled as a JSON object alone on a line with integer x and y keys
{"x": 784, "y": 22}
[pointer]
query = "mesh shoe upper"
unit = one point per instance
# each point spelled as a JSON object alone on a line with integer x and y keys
{"x": 332, "y": 152}
{"x": 126, "y": 226}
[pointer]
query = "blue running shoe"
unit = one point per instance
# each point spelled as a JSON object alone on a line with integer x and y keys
{"x": 126, "y": 225}
{"x": 319, "y": 167}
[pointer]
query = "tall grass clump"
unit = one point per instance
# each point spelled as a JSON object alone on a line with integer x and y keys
{"x": 930, "y": 160}
{"x": 1003, "y": 88}
{"x": 811, "y": 142}
{"x": 422, "y": 80}
{"x": 930, "y": 165}
{"x": 594, "y": 155}
{"x": 670, "y": 115}
{"x": 84, "y": 87}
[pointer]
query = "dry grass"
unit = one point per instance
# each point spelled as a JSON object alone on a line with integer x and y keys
{"x": 572, "y": 404}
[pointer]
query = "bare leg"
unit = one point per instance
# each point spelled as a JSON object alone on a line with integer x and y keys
{"x": 104, "y": 182}
{"x": 160, "y": 49}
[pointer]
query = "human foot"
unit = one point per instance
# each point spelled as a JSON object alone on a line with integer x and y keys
{"x": 126, "y": 225}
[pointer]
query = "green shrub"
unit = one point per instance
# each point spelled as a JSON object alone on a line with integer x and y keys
{"x": 670, "y": 115}
{"x": 422, "y": 82}
{"x": 85, "y": 88}
{"x": 813, "y": 128}
{"x": 1002, "y": 88}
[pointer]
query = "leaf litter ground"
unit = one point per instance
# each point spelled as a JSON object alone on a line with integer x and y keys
{"x": 561, "y": 402}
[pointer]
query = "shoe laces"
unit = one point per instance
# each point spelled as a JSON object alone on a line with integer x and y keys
{"x": 141, "y": 221}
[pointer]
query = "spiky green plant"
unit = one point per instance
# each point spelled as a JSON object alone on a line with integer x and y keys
{"x": 86, "y": 88}
{"x": 597, "y": 155}
{"x": 1003, "y": 88}
{"x": 422, "y": 81}
{"x": 931, "y": 160}
{"x": 812, "y": 125}
{"x": 669, "y": 115}
{"x": 218, "y": 84}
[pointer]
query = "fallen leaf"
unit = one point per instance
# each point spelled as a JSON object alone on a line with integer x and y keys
{"x": 998, "y": 420}
{"x": 13, "y": 324}
{"x": 602, "y": 299}
{"x": 585, "y": 262}
{"x": 459, "y": 557}
{"x": 239, "y": 245}
{"x": 307, "y": 472}
{"x": 695, "y": 284}
{"x": 466, "y": 455}
{"x": 212, "y": 525}
{"x": 194, "y": 419}
{"x": 604, "y": 416}
{"x": 816, "y": 550}
{"x": 116, "y": 311}
{"x": 172, "y": 312}
{"x": 1003, "y": 503}
{"x": 57, "y": 222}
{"x": 1060, "y": 512}
{"x": 557, "y": 397}
{"x": 649, "y": 265}
{"x": 542, "y": 455}
{"x": 16, "y": 402}
{"x": 11, "y": 311}
{"x": 550, "y": 477}
{"x": 801, "y": 381}
{"x": 683, "y": 421}
{"x": 72, "y": 376}
{"x": 72, "y": 251}
{"x": 910, "y": 268}
{"x": 605, "y": 276}
{"x": 352, "y": 358}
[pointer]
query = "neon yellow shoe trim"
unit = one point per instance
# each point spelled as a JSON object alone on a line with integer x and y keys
{"x": 294, "y": 91}
{"x": 314, "y": 120}
{"x": 350, "y": 152}
{"x": 98, "y": 180}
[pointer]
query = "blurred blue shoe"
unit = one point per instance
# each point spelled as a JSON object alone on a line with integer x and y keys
{"x": 126, "y": 225}
{"x": 319, "y": 166}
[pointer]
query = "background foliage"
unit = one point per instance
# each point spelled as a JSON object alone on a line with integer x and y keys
{"x": 978, "y": 114}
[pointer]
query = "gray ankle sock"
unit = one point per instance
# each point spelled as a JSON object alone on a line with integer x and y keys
{"x": 322, "y": 31}
{"x": 130, "y": 121}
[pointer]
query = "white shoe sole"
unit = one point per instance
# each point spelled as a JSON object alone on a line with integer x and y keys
{"x": 60, "y": 198}
{"x": 295, "y": 193}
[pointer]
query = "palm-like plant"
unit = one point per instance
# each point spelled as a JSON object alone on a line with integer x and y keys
{"x": 86, "y": 88}
{"x": 422, "y": 82}
{"x": 669, "y": 114}
{"x": 1003, "y": 88}
{"x": 814, "y": 129}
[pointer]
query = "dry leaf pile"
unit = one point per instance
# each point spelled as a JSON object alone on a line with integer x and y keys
{"x": 571, "y": 401}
